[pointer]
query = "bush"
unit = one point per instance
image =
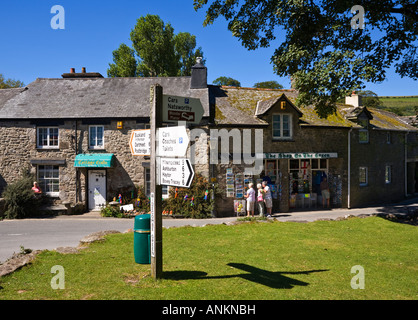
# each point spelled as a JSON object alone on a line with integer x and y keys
{"x": 20, "y": 200}
{"x": 191, "y": 202}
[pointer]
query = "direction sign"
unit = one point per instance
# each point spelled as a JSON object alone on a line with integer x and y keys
{"x": 177, "y": 108}
{"x": 172, "y": 141}
{"x": 177, "y": 172}
{"x": 140, "y": 142}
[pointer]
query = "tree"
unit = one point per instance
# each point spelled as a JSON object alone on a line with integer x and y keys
{"x": 124, "y": 63}
{"x": 10, "y": 83}
{"x": 157, "y": 51}
{"x": 326, "y": 57}
{"x": 226, "y": 81}
{"x": 268, "y": 85}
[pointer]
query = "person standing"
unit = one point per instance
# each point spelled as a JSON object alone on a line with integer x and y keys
{"x": 325, "y": 192}
{"x": 250, "y": 199}
{"x": 36, "y": 189}
{"x": 267, "y": 198}
{"x": 260, "y": 200}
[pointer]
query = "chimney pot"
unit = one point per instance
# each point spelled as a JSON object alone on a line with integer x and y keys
{"x": 83, "y": 70}
{"x": 72, "y": 70}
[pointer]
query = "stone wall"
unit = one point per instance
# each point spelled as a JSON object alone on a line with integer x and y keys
{"x": 21, "y": 152}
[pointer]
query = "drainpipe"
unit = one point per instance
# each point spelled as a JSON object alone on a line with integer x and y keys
{"x": 349, "y": 169}
{"x": 76, "y": 169}
{"x": 406, "y": 164}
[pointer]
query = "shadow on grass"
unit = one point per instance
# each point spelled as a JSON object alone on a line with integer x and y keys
{"x": 275, "y": 280}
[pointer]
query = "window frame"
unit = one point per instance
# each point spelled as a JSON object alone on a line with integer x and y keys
{"x": 366, "y": 176}
{"x": 147, "y": 185}
{"x": 281, "y": 129}
{"x": 388, "y": 174}
{"x": 44, "y": 180}
{"x": 367, "y": 136}
{"x": 48, "y": 137}
{"x": 95, "y": 146}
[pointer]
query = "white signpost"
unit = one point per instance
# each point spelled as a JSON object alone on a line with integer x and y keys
{"x": 177, "y": 172}
{"x": 177, "y": 108}
{"x": 140, "y": 142}
{"x": 172, "y": 141}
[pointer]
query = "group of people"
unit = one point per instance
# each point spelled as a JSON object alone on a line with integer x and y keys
{"x": 264, "y": 199}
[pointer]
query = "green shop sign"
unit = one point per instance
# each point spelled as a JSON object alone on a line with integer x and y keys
{"x": 301, "y": 155}
{"x": 94, "y": 160}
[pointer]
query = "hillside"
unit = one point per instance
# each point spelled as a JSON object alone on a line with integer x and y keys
{"x": 401, "y": 105}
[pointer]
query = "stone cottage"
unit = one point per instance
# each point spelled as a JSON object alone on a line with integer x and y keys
{"x": 73, "y": 133}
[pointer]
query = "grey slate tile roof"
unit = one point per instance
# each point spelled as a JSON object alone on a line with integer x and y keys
{"x": 92, "y": 98}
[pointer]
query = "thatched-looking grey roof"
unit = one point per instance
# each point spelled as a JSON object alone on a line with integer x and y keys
{"x": 93, "y": 98}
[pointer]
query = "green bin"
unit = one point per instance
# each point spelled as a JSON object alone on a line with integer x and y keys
{"x": 142, "y": 239}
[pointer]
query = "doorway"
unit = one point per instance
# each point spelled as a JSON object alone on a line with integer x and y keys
{"x": 97, "y": 189}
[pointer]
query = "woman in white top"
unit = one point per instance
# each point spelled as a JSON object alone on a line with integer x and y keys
{"x": 250, "y": 199}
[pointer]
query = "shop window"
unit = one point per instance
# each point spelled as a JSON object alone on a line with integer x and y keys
{"x": 363, "y": 179}
{"x": 282, "y": 126}
{"x": 96, "y": 137}
{"x": 165, "y": 189}
{"x": 47, "y": 137}
{"x": 48, "y": 179}
{"x": 388, "y": 174}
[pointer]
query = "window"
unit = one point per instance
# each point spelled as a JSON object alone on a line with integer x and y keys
{"x": 165, "y": 193}
{"x": 282, "y": 126}
{"x": 47, "y": 137}
{"x": 48, "y": 179}
{"x": 363, "y": 136}
{"x": 363, "y": 176}
{"x": 388, "y": 138}
{"x": 388, "y": 174}
{"x": 96, "y": 137}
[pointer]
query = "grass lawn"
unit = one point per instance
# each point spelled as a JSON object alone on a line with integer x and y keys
{"x": 263, "y": 260}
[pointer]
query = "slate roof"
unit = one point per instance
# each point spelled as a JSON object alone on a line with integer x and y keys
{"x": 245, "y": 106}
{"x": 92, "y": 98}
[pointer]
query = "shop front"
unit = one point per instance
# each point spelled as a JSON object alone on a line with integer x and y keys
{"x": 95, "y": 167}
{"x": 297, "y": 178}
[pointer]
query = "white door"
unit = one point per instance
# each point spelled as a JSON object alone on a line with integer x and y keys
{"x": 97, "y": 189}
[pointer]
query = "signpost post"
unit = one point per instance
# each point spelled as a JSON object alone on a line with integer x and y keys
{"x": 156, "y": 96}
{"x": 167, "y": 142}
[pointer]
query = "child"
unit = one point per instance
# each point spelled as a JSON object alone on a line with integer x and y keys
{"x": 250, "y": 199}
{"x": 260, "y": 200}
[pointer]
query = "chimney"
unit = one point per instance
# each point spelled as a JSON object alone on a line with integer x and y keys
{"x": 354, "y": 100}
{"x": 82, "y": 74}
{"x": 199, "y": 75}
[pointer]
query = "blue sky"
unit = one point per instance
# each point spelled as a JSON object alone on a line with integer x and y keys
{"x": 31, "y": 49}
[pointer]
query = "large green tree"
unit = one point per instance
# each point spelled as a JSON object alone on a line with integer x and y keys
{"x": 324, "y": 46}
{"x": 157, "y": 51}
{"x": 272, "y": 84}
{"x": 10, "y": 83}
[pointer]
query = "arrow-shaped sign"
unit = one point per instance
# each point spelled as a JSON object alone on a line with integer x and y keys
{"x": 172, "y": 141}
{"x": 177, "y": 108}
{"x": 177, "y": 172}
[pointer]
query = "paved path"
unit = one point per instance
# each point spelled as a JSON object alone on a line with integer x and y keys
{"x": 63, "y": 231}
